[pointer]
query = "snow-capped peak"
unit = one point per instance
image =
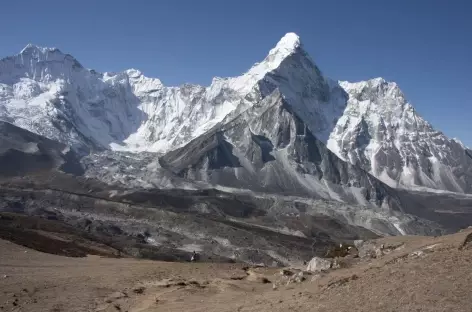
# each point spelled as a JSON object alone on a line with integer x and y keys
{"x": 372, "y": 88}
{"x": 287, "y": 45}
{"x": 133, "y": 73}
{"x": 371, "y": 83}
{"x": 32, "y": 48}
{"x": 395, "y": 143}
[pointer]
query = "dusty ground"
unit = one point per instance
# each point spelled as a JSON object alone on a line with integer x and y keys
{"x": 421, "y": 274}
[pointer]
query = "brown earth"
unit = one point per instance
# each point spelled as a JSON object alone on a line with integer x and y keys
{"x": 417, "y": 274}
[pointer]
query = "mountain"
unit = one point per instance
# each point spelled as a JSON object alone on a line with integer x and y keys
{"x": 369, "y": 124}
{"x": 50, "y": 93}
{"x": 258, "y": 168}
{"x": 382, "y": 132}
{"x": 268, "y": 148}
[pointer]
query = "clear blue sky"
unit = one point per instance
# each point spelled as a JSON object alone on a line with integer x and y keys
{"x": 423, "y": 45}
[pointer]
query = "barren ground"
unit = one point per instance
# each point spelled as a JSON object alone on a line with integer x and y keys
{"x": 439, "y": 278}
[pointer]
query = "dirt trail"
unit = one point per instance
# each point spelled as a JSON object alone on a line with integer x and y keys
{"x": 421, "y": 274}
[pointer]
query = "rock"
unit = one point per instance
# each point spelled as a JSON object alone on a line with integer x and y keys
{"x": 318, "y": 264}
{"x": 256, "y": 277}
{"x": 285, "y": 272}
{"x": 301, "y": 276}
{"x": 341, "y": 250}
{"x": 358, "y": 243}
{"x": 417, "y": 254}
{"x": 335, "y": 264}
{"x": 298, "y": 277}
{"x": 378, "y": 252}
{"x": 139, "y": 290}
{"x": 369, "y": 250}
{"x": 353, "y": 252}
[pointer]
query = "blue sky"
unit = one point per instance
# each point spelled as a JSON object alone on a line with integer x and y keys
{"x": 423, "y": 45}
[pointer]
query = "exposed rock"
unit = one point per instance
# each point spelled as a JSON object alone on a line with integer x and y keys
{"x": 341, "y": 250}
{"x": 353, "y": 252}
{"x": 358, "y": 243}
{"x": 417, "y": 254}
{"x": 372, "y": 250}
{"x": 256, "y": 277}
{"x": 285, "y": 272}
{"x": 367, "y": 250}
{"x": 139, "y": 290}
{"x": 336, "y": 263}
{"x": 319, "y": 264}
{"x": 378, "y": 252}
{"x": 301, "y": 276}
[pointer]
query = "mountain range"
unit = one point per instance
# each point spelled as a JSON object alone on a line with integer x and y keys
{"x": 281, "y": 131}
{"x": 369, "y": 124}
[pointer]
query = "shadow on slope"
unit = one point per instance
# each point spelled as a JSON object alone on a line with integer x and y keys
{"x": 23, "y": 152}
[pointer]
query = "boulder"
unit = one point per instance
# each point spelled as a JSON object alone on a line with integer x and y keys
{"x": 318, "y": 264}
{"x": 358, "y": 243}
{"x": 369, "y": 250}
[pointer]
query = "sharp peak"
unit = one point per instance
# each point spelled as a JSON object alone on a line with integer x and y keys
{"x": 291, "y": 41}
{"x": 35, "y": 48}
{"x": 287, "y": 45}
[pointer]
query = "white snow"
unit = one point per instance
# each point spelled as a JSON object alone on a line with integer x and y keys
{"x": 401, "y": 148}
{"x": 48, "y": 92}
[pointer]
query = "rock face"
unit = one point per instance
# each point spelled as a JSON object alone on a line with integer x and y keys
{"x": 269, "y": 148}
{"x": 381, "y": 132}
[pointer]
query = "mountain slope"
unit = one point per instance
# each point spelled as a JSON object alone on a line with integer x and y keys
{"x": 50, "y": 93}
{"x": 369, "y": 124}
{"x": 269, "y": 148}
{"x": 23, "y": 152}
{"x": 383, "y": 133}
